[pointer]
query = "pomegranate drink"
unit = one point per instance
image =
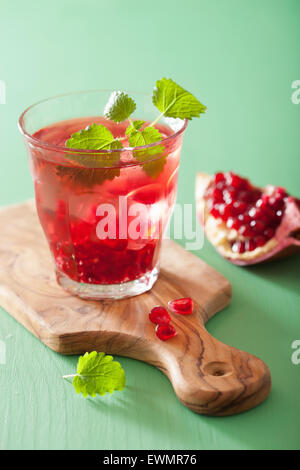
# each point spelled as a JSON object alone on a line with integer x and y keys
{"x": 72, "y": 202}
{"x": 105, "y": 185}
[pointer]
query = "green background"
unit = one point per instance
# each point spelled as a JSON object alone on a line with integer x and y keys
{"x": 240, "y": 58}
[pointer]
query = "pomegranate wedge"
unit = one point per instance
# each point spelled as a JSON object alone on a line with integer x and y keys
{"x": 247, "y": 224}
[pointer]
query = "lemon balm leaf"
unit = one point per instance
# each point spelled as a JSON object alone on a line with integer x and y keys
{"x": 174, "y": 101}
{"x": 149, "y": 135}
{"x": 87, "y": 177}
{"x": 93, "y": 137}
{"x": 155, "y": 167}
{"x": 134, "y": 126}
{"x": 91, "y": 168}
{"x": 97, "y": 374}
{"x": 119, "y": 107}
{"x": 153, "y": 158}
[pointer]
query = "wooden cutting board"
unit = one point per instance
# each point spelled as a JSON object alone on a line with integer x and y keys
{"x": 208, "y": 376}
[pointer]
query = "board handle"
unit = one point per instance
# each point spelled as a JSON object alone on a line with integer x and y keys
{"x": 212, "y": 378}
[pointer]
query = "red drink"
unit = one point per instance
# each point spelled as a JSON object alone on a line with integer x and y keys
{"x": 74, "y": 196}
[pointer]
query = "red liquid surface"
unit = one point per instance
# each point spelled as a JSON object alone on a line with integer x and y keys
{"x": 68, "y": 195}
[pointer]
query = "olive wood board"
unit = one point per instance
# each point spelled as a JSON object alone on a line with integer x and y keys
{"x": 208, "y": 376}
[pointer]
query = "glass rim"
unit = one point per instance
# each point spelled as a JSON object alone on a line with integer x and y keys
{"x": 62, "y": 149}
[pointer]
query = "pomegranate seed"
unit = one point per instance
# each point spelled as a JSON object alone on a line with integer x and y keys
{"x": 221, "y": 208}
{"x": 250, "y": 245}
{"x": 236, "y": 225}
{"x": 263, "y": 214}
{"x": 160, "y": 316}
{"x": 244, "y": 218}
{"x": 226, "y": 210}
{"x": 165, "y": 332}
{"x": 184, "y": 306}
{"x": 256, "y": 194}
{"x": 219, "y": 177}
{"x": 240, "y": 206}
{"x": 276, "y": 203}
{"x": 260, "y": 240}
{"x": 229, "y": 195}
{"x": 269, "y": 233}
{"x": 245, "y": 231}
{"x": 269, "y": 214}
{"x": 238, "y": 247}
{"x": 220, "y": 186}
{"x": 217, "y": 195}
{"x": 215, "y": 212}
{"x": 257, "y": 225}
{"x": 236, "y": 181}
{"x": 118, "y": 244}
{"x": 265, "y": 198}
{"x": 245, "y": 196}
{"x": 230, "y": 222}
{"x": 253, "y": 212}
{"x": 262, "y": 202}
{"x": 281, "y": 191}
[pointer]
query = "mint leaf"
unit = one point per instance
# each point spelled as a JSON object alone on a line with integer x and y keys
{"x": 98, "y": 373}
{"x": 149, "y": 135}
{"x": 92, "y": 160}
{"x": 135, "y": 126}
{"x": 119, "y": 107}
{"x": 174, "y": 101}
{"x": 155, "y": 167}
{"x": 90, "y": 169}
{"x": 94, "y": 137}
{"x": 86, "y": 177}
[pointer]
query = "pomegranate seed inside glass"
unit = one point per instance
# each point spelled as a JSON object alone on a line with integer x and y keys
{"x": 88, "y": 204}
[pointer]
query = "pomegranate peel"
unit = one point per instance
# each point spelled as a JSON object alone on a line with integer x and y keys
{"x": 247, "y": 225}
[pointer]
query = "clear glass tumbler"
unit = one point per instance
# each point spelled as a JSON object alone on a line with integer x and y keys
{"x": 104, "y": 212}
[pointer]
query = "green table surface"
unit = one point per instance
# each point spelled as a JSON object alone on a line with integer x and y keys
{"x": 240, "y": 58}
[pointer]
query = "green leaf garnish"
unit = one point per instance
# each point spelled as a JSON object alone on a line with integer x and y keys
{"x": 174, "y": 101}
{"x": 155, "y": 167}
{"x": 134, "y": 126}
{"x": 87, "y": 177}
{"x": 94, "y": 137}
{"x": 90, "y": 169}
{"x": 119, "y": 107}
{"x": 149, "y": 135}
{"x": 98, "y": 373}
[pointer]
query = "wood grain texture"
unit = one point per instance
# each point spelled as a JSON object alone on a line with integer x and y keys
{"x": 207, "y": 376}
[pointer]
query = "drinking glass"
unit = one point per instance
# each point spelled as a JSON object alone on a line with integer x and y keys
{"x": 103, "y": 212}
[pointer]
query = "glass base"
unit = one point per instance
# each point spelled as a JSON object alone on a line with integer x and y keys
{"x": 108, "y": 291}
